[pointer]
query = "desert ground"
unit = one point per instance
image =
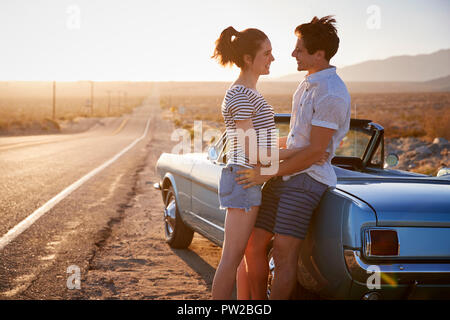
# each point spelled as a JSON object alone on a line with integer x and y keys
{"x": 28, "y": 107}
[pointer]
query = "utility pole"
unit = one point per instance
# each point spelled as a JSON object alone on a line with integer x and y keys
{"x": 54, "y": 101}
{"x": 120, "y": 107}
{"x": 92, "y": 98}
{"x": 109, "y": 102}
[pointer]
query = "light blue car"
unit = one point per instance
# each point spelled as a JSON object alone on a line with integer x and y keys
{"x": 380, "y": 234}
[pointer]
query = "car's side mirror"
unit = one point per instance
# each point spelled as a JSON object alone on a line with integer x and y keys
{"x": 443, "y": 172}
{"x": 212, "y": 153}
{"x": 391, "y": 160}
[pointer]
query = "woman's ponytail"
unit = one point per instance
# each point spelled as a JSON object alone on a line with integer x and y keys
{"x": 224, "y": 52}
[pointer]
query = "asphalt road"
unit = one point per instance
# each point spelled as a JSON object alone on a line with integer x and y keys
{"x": 35, "y": 169}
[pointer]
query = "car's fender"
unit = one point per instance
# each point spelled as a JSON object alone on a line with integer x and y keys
{"x": 336, "y": 224}
{"x": 166, "y": 181}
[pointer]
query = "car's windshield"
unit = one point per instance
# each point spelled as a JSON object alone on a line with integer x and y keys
{"x": 354, "y": 143}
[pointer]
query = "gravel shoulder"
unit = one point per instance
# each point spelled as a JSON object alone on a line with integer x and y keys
{"x": 134, "y": 262}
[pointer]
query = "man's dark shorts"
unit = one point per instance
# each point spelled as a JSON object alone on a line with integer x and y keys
{"x": 287, "y": 206}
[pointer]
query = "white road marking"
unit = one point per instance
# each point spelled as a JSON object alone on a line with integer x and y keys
{"x": 28, "y": 221}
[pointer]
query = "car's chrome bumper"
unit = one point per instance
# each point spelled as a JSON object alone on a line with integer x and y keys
{"x": 399, "y": 280}
{"x": 399, "y": 271}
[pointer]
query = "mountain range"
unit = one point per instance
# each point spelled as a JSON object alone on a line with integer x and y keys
{"x": 427, "y": 71}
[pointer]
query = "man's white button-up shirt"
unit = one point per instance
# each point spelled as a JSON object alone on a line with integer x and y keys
{"x": 322, "y": 99}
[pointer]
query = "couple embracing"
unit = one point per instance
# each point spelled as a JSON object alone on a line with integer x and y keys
{"x": 283, "y": 207}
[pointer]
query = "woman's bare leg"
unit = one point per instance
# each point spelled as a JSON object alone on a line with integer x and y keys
{"x": 238, "y": 226}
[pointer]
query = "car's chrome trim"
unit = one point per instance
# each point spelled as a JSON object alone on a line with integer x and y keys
{"x": 367, "y": 243}
{"x": 204, "y": 220}
{"x": 377, "y": 138}
{"x": 401, "y": 179}
{"x": 360, "y": 270}
{"x": 203, "y": 185}
{"x": 359, "y": 202}
{"x": 209, "y": 205}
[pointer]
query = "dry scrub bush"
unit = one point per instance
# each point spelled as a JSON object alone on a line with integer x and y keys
{"x": 424, "y": 115}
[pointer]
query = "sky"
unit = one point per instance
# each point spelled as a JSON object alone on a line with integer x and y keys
{"x": 169, "y": 40}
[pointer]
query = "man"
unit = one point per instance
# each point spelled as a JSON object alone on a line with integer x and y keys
{"x": 320, "y": 120}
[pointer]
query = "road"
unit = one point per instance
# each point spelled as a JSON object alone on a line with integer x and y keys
{"x": 106, "y": 221}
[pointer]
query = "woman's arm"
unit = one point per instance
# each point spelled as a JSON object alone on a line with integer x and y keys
{"x": 253, "y": 153}
{"x": 282, "y": 142}
{"x": 251, "y": 147}
{"x": 247, "y": 134}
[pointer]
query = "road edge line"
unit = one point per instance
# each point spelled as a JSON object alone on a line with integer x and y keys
{"x": 33, "y": 217}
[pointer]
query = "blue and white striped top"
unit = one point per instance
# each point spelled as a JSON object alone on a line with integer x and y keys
{"x": 241, "y": 103}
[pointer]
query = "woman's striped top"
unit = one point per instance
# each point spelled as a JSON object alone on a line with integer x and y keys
{"x": 241, "y": 103}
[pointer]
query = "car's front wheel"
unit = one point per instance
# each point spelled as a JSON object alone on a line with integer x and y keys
{"x": 178, "y": 235}
{"x": 271, "y": 271}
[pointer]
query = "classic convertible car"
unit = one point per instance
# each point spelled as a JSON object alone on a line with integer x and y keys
{"x": 379, "y": 234}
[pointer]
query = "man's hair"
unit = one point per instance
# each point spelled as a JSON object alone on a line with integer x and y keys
{"x": 319, "y": 34}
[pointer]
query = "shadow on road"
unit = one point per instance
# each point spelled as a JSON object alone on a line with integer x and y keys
{"x": 200, "y": 266}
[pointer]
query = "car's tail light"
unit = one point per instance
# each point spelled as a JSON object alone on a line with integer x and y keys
{"x": 381, "y": 243}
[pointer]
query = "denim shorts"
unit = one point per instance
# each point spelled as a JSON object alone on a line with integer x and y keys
{"x": 232, "y": 194}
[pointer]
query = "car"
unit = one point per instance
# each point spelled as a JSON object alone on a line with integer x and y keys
{"x": 380, "y": 233}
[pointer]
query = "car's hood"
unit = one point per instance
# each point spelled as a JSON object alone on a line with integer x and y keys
{"x": 408, "y": 203}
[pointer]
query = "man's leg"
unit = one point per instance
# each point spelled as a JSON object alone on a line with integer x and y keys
{"x": 257, "y": 263}
{"x": 242, "y": 281}
{"x": 299, "y": 197}
{"x": 256, "y": 251}
{"x": 285, "y": 253}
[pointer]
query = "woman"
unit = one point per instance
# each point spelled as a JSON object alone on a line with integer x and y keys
{"x": 244, "y": 111}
